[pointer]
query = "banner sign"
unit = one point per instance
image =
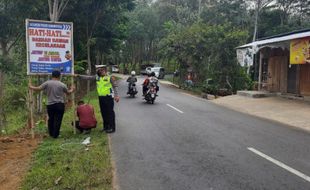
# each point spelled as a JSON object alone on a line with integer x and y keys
{"x": 245, "y": 57}
{"x": 49, "y": 47}
{"x": 300, "y": 51}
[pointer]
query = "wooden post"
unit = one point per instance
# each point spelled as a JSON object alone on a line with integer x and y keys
{"x": 298, "y": 79}
{"x": 31, "y": 108}
{"x": 260, "y": 70}
{"x": 73, "y": 105}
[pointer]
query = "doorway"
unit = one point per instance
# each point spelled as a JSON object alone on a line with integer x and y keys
{"x": 292, "y": 79}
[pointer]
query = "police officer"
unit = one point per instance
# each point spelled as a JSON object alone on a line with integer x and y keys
{"x": 107, "y": 92}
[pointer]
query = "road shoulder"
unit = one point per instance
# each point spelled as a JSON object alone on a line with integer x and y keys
{"x": 289, "y": 112}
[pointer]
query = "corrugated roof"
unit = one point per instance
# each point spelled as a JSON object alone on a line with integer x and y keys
{"x": 279, "y": 38}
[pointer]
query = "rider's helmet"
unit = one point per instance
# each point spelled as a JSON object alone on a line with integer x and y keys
{"x": 152, "y": 74}
{"x": 133, "y": 73}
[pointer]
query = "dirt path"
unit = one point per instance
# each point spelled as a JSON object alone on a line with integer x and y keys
{"x": 15, "y": 156}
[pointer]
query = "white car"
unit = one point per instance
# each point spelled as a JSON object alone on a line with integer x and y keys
{"x": 159, "y": 71}
{"x": 115, "y": 69}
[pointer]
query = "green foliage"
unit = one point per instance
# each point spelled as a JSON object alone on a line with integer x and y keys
{"x": 101, "y": 24}
{"x": 67, "y": 158}
{"x": 227, "y": 11}
{"x": 6, "y": 63}
{"x": 14, "y": 103}
{"x": 80, "y": 67}
{"x": 205, "y": 44}
{"x": 207, "y": 49}
{"x": 15, "y": 121}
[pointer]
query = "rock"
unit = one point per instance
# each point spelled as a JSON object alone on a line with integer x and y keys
{"x": 19, "y": 140}
{"x": 204, "y": 95}
{"x": 58, "y": 180}
{"x": 211, "y": 97}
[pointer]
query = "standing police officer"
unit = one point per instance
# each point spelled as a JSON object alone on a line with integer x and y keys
{"x": 107, "y": 92}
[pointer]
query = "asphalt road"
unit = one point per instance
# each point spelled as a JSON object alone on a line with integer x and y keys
{"x": 186, "y": 143}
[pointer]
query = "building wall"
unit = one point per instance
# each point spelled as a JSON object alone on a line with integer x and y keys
{"x": 304, "y": 83}
{"x": 277, "y": 74}
{"x": 277, "y": 69}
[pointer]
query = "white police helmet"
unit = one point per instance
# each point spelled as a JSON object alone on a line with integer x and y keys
{"x": 133, "y": 72}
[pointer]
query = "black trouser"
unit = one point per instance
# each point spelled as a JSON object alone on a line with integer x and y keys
{"x": 107, "y": 112}
{"x": 145, "y": 88}
{"x": 55, "y": 113}
{"x": 129, "y": 86}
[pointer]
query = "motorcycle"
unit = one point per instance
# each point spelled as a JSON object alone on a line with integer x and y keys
{"x": 151, "y": 94}
{"x": 132, "y": 90}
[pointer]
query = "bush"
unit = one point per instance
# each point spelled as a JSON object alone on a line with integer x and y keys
{"x": 242, "y": 80}
{"x": 14, "y": 106}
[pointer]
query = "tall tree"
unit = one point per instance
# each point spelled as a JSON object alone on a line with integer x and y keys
{"x": 12, "y": 21}
{"x": 302, "y": 12}
{"x": 56, "y": 8}
{"x": 97, "y": 23}
{"x": 259, "y": 6}
{"x": 286, "y": 6}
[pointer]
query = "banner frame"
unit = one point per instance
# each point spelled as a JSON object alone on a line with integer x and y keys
{"x": 28, "y": 52}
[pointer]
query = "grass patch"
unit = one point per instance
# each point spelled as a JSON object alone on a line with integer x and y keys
{"x": 171, "y": 78}
{"x": 64, "y": 163}
{"x": 15, "y": 121}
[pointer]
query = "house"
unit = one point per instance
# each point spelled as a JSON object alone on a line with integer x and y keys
{"x": 281, "y": 63}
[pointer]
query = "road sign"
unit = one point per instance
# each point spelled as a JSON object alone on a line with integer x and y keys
{"x": 49, "y": 47}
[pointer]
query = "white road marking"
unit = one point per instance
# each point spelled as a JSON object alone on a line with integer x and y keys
{"x": 176, "y": 109}
{"x": 280, "y": 164}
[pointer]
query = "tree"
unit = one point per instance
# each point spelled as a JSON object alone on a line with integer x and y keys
{"x": 286, "y": 6}
{"x": 302, "y": 12}
{"x": 95, "y": 22}
{"x": 259, "y": 6}
{"x": 207, "y": 49}
{"x": 56, "y": 8}
{"x": 12, "y": 18}
{"x": 226, "y": 11}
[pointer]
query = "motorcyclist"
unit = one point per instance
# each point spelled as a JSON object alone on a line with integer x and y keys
{"x": 146, "y": 83}
{"x": 152, "y": 79}
{"x": 131, "y": 80}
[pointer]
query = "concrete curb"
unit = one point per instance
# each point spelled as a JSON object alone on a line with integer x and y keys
{"x": 168, "y": 83}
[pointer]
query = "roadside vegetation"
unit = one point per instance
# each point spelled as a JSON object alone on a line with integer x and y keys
{"x": 196, "y": 38}
{"x": 99, "y": 29}
{"x": 65, "y": 163}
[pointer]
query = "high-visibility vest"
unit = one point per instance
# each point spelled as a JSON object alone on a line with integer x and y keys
{"x": 104, "y": 86}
